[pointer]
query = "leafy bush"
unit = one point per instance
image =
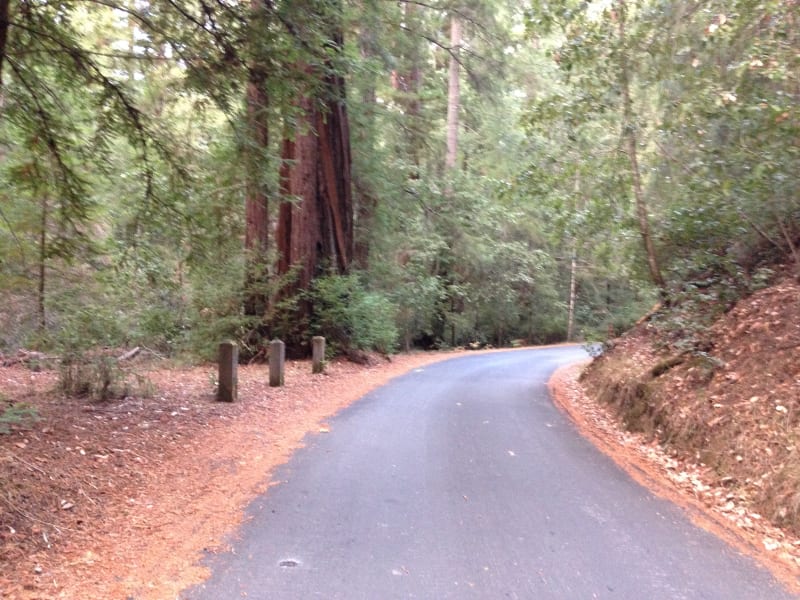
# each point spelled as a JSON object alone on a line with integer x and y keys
{"x": 215, "y": 313}
{"x": 351, "y": 317}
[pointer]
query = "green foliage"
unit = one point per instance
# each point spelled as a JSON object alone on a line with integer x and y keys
{"x": 121, "y": 220}
{"x": 16, "y": 414}
{"x": 715, "y": 114}
{"x": 731, "y": 136}
{"x": 350, "y": 316}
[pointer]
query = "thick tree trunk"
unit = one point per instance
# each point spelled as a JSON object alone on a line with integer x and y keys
{"x": 314, "y": 233}
{"x": 299, "y": 233}
{"x": 336, "y": 162}
{"x": 631, "y": 141}
{"x": 315, "y": 224}
{"x": 257, "y": 221}
{"x": 453, "y": 94}
{"x": 256, "y": 238}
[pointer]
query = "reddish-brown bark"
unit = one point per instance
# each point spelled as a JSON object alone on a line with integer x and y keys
{"x": 315, "y": 222}
{"x": 256, "y": 238}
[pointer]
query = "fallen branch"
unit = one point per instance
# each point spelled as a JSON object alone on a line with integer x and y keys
{"x": 27, "y": 464}
{"x": 667, "y": 364}
{"x": 129, "y": 354}
{"x": 650, "y": 313}
{"x": 154, "y": 353}
{"x": 25, "y": 357}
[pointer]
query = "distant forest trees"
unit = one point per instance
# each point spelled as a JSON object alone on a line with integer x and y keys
{"x": 388, "y": 174}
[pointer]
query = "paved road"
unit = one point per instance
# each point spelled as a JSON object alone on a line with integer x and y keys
{"x": 461, "y": 480}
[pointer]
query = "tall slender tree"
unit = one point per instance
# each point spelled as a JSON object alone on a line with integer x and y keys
{"x": 631, "y": 139}
{"x": 453, "y": 93}
{"x": 257, "y": 223}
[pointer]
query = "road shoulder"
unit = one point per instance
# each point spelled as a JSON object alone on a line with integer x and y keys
{"x": 679, "y": 482}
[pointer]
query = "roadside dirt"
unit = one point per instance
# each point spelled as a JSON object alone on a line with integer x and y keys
{"x": 715, "y": 429}
{"x": 123, "y": 499}
{"x": 681, "y": 482}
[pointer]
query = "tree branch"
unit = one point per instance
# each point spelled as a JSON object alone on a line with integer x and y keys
{"x": 4, "y": 24}
{"x": 758, "y": 229}
{"x": 16, "y": 239}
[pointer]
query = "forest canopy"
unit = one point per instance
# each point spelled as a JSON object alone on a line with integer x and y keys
{"x": 388, "y": 174}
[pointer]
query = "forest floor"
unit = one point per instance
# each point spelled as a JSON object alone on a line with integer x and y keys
{"x": 123, "y": 499}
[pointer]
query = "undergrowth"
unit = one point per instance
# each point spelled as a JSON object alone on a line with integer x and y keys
{"x": 15, "y": 414}
{"x": 100, "y": 378}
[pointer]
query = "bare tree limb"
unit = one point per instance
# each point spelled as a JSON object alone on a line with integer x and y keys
{"x": 129, "y": 354}
{"x": 758, "y": 229}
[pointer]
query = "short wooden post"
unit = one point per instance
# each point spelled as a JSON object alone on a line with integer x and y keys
{"x": 277, "y": 360}
{"x": 227, "y": 388}
{"x": 317, "y": 354}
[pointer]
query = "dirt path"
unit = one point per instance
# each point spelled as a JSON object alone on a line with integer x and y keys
{"x": 122, "y": 500}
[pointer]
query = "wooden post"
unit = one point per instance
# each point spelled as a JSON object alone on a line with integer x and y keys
{"x": 317, "y": 354}
{"x": 277, "y": 360}
{"x": 227, "y": 389}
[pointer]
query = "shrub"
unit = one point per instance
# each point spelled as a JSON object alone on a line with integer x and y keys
{"x": 350, "y": 316}
{"x": 100, "y": 377}
{"x": 17, "y": 413}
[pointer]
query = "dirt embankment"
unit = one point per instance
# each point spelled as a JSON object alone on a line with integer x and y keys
{"x": 715, "y": 425}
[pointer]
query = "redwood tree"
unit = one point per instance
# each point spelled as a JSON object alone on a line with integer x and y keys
{"x": 256, "y": 200}
{"x": 315, "y": 223}
{"x": 314, "y": 234}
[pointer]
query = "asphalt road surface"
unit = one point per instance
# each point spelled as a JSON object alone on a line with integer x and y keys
{"x": 462, "y": 480}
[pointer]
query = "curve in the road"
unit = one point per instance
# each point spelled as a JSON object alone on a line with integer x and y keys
{"x": 462, "y": 480}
